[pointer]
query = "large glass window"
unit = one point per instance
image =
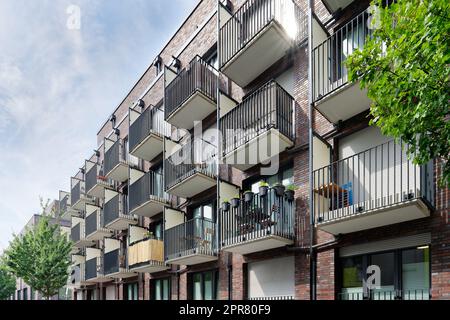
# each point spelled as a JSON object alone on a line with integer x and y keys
{"x": 416, "y": 273}
{"x": 25, "y": 293}
{"x": 204, "y": 285}
{"x": 132, "y": 291}
{"x": 285, "y": 176}
{"x": 161, "y": 289}
{"x": 352, "y": 278}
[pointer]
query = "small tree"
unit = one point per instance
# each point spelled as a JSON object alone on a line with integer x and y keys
{"x": 405, "y": 65}
{"x": 41, "y": 257}
{"x": 7, "y": 283}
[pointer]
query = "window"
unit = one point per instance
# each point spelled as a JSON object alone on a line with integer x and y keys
{"x": 204, "y": 285}
{"x": 405, "y": 274}
{"x": 18, "y": 294}
{"x": 157, "y": 229}
{"x": 205, "y": 211}
{"x": 161, "y": 289}
{"x": 25, "y": 293}
{"x": 285, "y": 176}
{"x": 131, "y": 292}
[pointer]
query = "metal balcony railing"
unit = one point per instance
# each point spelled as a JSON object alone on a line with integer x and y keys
{"x": 114, "y": 155}
{"x": 149, "y": 185}
{"x": 328, "y": 58}
{"x": 196, "y": 236}
{"x": 268, "y": 107}
{"x": 114, "y": 261}
{"x": 75, "y": 193}
{"x": 91, "y": 269}
{"x": 91, "y": 223}
{"x": 411, "y": 294}
{"x": 196, "y": 157}
{"x": 263, "y": 216}
{"x": 114, "y": 208}
{"x": 252, "y": 17}
{"x": 198, "y": 76}
{"x": 150, "y": 121}
{"x": 75, "y": 233}
{"x": 373, "y": 179}
{"x": 63, "y": 205}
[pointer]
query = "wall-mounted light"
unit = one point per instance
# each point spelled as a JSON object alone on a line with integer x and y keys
{"x": 116, "y": 131}
{"x": 140, "y": 103}
{"x": 176, "y": 63}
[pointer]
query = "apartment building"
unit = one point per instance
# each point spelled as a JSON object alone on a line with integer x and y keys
{"x": 166, "y": 208}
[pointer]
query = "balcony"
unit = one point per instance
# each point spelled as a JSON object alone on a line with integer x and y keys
{"x": 147, "y": 130}
{"x": 64, "y": 205}
{"x": 115, "y": 260}
{"x": 374, "y": 188}
{"x": 266, "y": 222}
{"x": 191, "y": 242}
{"x": 95, "y": 229}
{"x": 116, "y": 160}
{"x": 145, "y": 253}
{"x": 96, "y": 182}
{"x": 94, "y": 266}
{"x": 190, "y": 171}
{"x": 192, "y": 95}
{"x": 333, "y": 95}
{"x": 78, "y": 196}
{"x": 78, "y": 278}
{"x": 259, "y": 128}
{"x": 147, "y": 197}
{"x": 77, "y": 233}
{"x": 259, "y": 34}
{"x": 335, "y": 5}
{"x": 115, "y": 211}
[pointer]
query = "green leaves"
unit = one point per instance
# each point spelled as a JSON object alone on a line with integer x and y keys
{"x": 41, "y": 257}
{"x": 405, "y": 67}
{"x": 7, "y": 283}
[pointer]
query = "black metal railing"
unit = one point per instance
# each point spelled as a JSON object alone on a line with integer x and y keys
{"x": 196, "y": 236}
{"x": 411, "y": 294}
{"x": 91, "y": 223}
{"x": 149, "y": 185}
{"x": 111, "y": 262}
{"x": 114, "y": 208}
{"x": 372, "y": 179}
{"x": 198, "y": 76}
{"x": 262, "y": 217}
{"x": 150, "y": 121}
{"x": 268, "y": 107}
{"x": 91, "y": 269}
{"x": 63, "y": 205}
{"x": 196, "y": 157}
{"x": 252, "y": 17}
{"x": 329, "y": 70}
{"x": 114, "y": 155}
{"x": 75, "y": 193}
{"x": 75, "y": 233}
{"x": 91, "y": 178}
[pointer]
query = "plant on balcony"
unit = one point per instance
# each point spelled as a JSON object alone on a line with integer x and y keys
{"x": 225, "y": 205}
{"x": 263, "y": 188}
{"x": 290, "y": 191}
{"x": 149, "y": 235}
{"x": 404, "y": 66}
{"x": 235, "y": 201}
{"x": 279, "y": 189}
{"x": 248, "y": 196}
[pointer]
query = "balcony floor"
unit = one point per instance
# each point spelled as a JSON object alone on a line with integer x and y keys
{"x": 99, "y": 234}
{"x": 189, "y": 187}
{"x": 256, "y": 244}
{"x": 121, "y": 223}
{"x": 81, "y": 203}
{"x": 392, "y": 214}
{"x": 149, "y": 267}
{"x": 266, "y": 48}
{"x": 99, "y": 189}
{"x": 119, "y": 172}
{"x": 247, "y": 156}
{"x": 192, "y": 259}
{"x": 121, "y": 274}
{"x": 150, "y": 208}
{"x": 100, "y": 279}
{"x": 149, "y": 148}
{"x": 83, "y": 243}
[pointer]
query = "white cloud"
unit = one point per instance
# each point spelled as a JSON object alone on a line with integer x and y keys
{"x": 57, "y": 86}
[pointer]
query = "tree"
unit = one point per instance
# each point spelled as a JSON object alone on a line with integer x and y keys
{"x": 405, "y": 66}
{"x": 41, "y": 256}
{"x": 7, "y": 283}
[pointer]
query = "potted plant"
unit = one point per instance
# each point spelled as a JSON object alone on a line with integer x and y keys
{"x": 279, "y": 189}
{"x": 248, "y": 196}
{"x": 290, "y": 191}
{"x": 263, "y": 188}
{"x": 149, "y": 235}
{"x": 225, "y": 205}
{"x": 235, "y": 201}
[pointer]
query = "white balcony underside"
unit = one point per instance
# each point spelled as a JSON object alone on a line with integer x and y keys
{"x": 266, "y": 48}
{"x": 248, "y": 154}
{"x": 256, "y": 244}
{"x": 99, "y": 234}
{"x": 344, "y": 103}
{"x": 119, "y": 172}
{"x": 150, "y": 208}
{"x": 191, "y": 258}
{"x": 121, "y": 223}
{"x": 192, "y": 185}
{"x": 83, "y": 243}
{"x": 149, "y": 148}
{"x": 81, "y": 203}
{"x": 100, "y": 279}
{"x": 123, "y": 273}
{"x": 392, "y": 214}
{"x": 197, "y": 107}
{"x": 99, "y": 189}
{"x": 149, "y": 267}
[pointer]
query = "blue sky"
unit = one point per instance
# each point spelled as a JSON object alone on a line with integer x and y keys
{"x": 57, "y": 87}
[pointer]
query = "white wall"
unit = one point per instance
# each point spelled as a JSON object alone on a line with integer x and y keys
{"x": 111, "y": 293}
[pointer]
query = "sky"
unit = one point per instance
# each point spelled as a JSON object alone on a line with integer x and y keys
{"x": 60, "y": 79}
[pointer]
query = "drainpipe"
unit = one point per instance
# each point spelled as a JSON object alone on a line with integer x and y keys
{"x": 312, "y": 284}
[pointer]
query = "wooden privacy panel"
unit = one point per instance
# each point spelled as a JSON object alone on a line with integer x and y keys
{"x": 143, "y": 251}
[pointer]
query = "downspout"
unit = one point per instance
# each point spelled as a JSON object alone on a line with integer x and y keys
{"x": 312, "y": 256}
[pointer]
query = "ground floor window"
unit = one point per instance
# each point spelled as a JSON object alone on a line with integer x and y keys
{"x": 161, "y": 289}
{"x": 404, "y": 274}
{"x": 131, "y": 291}
{"x": 204, "y": 285}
